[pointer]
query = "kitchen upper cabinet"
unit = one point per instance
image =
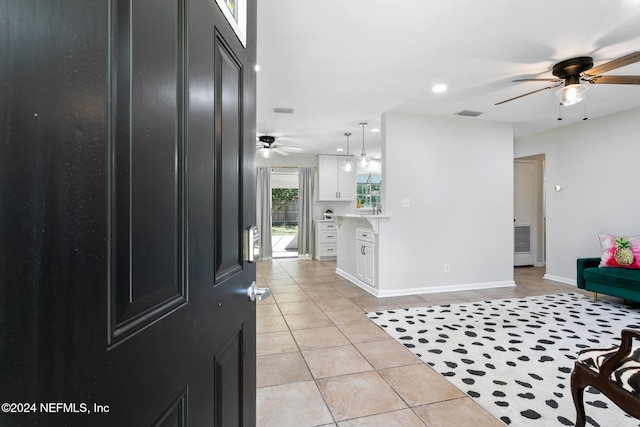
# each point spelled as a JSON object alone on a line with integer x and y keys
{"x": 334, "y": 184}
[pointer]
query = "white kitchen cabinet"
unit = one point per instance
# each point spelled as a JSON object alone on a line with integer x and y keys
{"x": 365, "y": 255}
{"x": 326, "y": 235}
{"x": 334, "y": 184}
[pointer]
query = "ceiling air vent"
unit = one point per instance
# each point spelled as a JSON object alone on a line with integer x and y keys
{"x": 283, "y": 110}
{"x": 468, "y": 113}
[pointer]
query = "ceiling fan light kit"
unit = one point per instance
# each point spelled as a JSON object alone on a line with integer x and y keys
{"x": 572, "y": 94}
{"x": 265, "y": 153}
{"x": 265, "y": 148}
{"x": 571, "y": 70}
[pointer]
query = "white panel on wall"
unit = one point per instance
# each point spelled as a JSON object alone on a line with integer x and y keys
{"x": 458, "y": 175}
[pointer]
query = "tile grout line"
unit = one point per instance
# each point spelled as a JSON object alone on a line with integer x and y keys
{"x": 307, "y": 288}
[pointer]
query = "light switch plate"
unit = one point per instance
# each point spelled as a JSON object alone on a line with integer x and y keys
{"x": 406, "y": 203}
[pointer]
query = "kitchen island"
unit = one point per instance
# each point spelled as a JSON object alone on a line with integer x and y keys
{"x": 357, "y": 249}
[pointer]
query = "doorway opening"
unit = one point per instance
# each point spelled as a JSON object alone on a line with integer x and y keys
{"x": 529, "y": 211}
{"x": 284, "y": 213}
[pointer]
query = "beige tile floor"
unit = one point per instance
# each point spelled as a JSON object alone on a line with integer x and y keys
{"x": 322, "y": 362}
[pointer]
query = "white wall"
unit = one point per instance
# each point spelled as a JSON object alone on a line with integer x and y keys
{"x": 457, "y": 173}
{"x": 596, "y": 162}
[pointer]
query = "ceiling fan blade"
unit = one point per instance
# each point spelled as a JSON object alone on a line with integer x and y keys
{"x": 290, "y": 149}
{"x": 529, "y": 93}
{"x": 285, "y": 143}
{"x": 281, "y": 152}
{"x": 615, "y": 80}
{"x": 538, "y": 80}
{"x": 612, "y": 65}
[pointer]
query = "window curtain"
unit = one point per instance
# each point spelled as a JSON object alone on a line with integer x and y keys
{"x": 263, "y": 210}
{"x": 305, "y": 212}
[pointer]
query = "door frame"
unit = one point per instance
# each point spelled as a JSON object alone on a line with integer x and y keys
{"x": 538, "y": 240}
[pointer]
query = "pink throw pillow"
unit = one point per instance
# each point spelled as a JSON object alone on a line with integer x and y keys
{"x": 620, "y": 251}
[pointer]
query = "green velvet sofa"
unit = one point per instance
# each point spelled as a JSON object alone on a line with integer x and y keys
{"x": 618, "y": 282}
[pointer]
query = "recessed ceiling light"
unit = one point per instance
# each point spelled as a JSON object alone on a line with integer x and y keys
{"x": 340, "y": 149}
{"x": 439, "y": 88}
{"x": 256, "y": 67}
{"x": 374, "y": 130}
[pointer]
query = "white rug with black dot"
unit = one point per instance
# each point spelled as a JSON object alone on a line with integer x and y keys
{"x": 515, "y": 356}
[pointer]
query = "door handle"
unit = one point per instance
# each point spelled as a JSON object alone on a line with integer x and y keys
{"x": 254, "y": 291}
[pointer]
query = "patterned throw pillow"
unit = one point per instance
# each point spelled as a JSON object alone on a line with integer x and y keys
{"x": 620, "y": 251}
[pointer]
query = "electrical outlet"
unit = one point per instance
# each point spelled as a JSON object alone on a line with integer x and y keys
{"x": 447, "y": 268}
{"x": 406, "y": 203}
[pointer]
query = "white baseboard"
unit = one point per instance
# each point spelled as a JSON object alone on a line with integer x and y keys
{"x": 446, "y": 288}
{"x": 325, "y": 258}
{"x": 359, "y": 283}
{"x": 423, "y": 290}
{"x": 560, "y": 279}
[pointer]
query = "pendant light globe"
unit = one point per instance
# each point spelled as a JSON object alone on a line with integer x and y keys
{"x": 347, "y": 165}
{"x": 364, "y": 160}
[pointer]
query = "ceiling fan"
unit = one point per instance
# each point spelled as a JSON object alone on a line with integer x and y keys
{"x": 267, "y": 146}
{"x": 572, "y": 71}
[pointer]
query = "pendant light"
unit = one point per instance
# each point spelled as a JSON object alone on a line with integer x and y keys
{"x": 364, "y": 160}
{"x": 347, "y": 165}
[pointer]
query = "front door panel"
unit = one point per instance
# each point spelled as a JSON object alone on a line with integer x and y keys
{"x": 127, "y": 181}
{"x": 147, "y": 161}
{"x": 228, "y": 165}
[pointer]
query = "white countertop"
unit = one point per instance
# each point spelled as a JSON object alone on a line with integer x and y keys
{"x": 372, "y": 218}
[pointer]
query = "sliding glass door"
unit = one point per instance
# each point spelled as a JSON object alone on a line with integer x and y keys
{"x": 284, "y": 212}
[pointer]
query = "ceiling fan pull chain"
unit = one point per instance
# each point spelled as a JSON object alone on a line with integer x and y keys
{"x": 559, "y": 110}
{"x": 585, "y": 111}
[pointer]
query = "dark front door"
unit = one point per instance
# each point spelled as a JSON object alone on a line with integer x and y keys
{"x": 127, "y": 183}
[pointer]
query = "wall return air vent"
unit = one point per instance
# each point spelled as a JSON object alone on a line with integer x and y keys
{"x": 522, "y": 238}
